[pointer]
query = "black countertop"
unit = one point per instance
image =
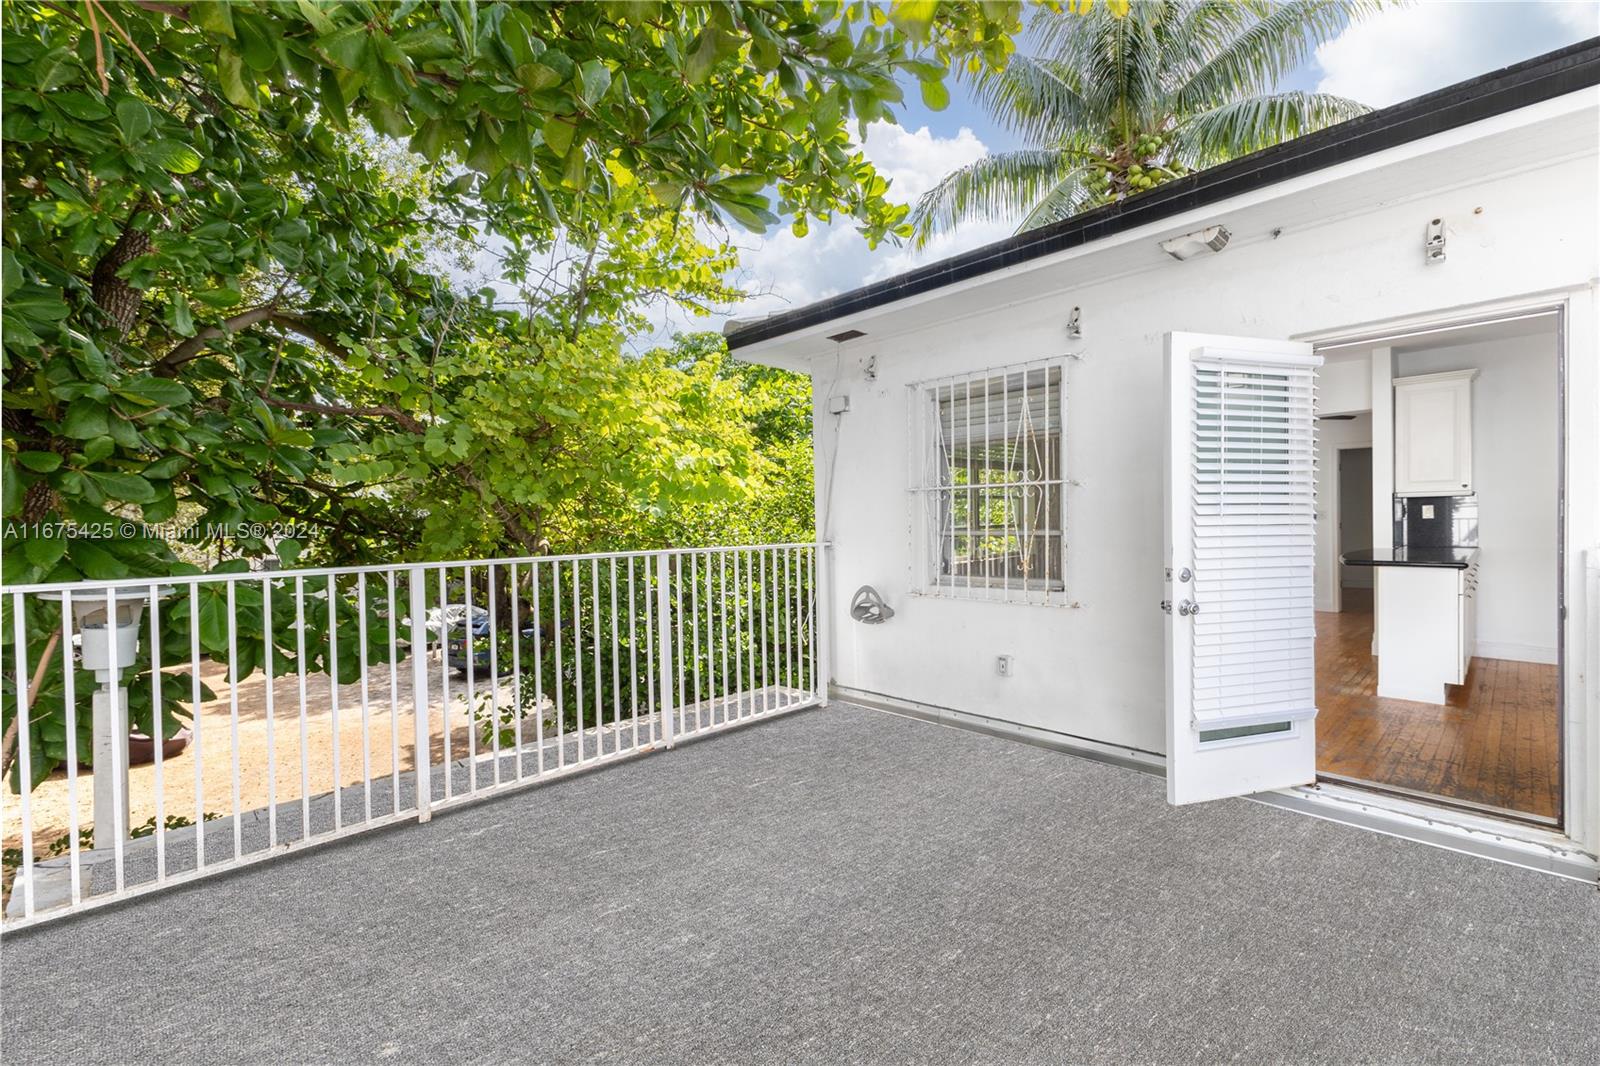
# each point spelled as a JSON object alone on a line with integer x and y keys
{"x": 1456, "y": 558}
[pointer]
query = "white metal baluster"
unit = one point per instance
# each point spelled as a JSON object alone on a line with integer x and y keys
{"x": 820, "y": 623}
{"x": 650, "y": 586}
{"x": 305, "y": 728}
{"x": 739, "y": 579}
{"x": 808, "y": 605}
{"x": 722, "y": 618}
{"x": 616, "y": 665}
{"x": 709, "y": 704}
{"x": 578, "y": 667}
{"x": 444, "y": 678}
{"x": 158, "y": 734}
{"x": 664, "y": 642}
{"x": 472, "y": 682}
{"x": 749, "y": 707}
{"x": 494, "y": 673}
{"x": 421, "y": 720}
{"x": 195, "y": 717}
{"x": 366, "y": 702}
{"x": 118, "y": 743}
{"x": 694, "y": 625}
{"x": 561, "y": 712}
{"x": 418, "y": 698}
{"x": 594, "y": 615}
{"x": 788, "y": 626}
{"x": 272, "y": 723}
{"x": 233, "y": 720}
{"x": 683, "y": 675}
{"x": 516, "y": 670}
{"x": 633, "y": 654}
{"x": 766, "y": 596}
{"x": 19, "y": 636}
{"x": 70, "y": 700}
{"x": 538, "y": 667}
{"x": 333, "y": 698}
{"x": 798, "y": 676}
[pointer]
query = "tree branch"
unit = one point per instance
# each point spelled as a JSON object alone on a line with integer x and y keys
{"x": 196, "y": 346}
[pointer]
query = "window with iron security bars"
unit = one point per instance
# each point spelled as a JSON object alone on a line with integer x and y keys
{"x": 987, "y": 486}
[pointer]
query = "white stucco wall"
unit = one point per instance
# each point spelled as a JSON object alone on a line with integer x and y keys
{"x": 1095, "y": 670}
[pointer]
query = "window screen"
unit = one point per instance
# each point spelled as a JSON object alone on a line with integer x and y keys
{"x": 989, "y": 487}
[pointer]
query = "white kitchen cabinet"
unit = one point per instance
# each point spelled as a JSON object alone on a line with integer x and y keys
{"x": 1433, "y": 434}
{"x": 1466, "y": 621}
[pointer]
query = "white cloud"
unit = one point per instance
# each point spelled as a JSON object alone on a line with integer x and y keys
{"x": 1410, "y": 51}
{"x": 782, "y": 271}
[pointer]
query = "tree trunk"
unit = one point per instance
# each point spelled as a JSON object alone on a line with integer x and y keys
{"x": 118, "y": 299}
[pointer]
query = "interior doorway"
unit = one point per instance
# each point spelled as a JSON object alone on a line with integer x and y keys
{"x": 1355, "y": 525}
{"x": 1492, "y": 743}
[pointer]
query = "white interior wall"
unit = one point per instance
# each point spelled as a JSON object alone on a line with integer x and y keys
{"x": 1330, "y": 435}
{"x": 1093, "y": 670}
{"x": 1514, "y": 476}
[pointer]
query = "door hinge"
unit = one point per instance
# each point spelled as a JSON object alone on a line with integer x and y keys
{"x": 1166, "y": 605}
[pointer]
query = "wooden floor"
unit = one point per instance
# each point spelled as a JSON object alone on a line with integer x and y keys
{"x": 1493, "y": 743}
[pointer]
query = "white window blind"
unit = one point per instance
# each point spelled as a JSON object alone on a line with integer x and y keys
{"x": 1254, "y": 528}
{"x": 988, "y": 485}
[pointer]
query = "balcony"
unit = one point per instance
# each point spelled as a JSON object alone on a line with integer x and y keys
{"x": 789, "y": 882}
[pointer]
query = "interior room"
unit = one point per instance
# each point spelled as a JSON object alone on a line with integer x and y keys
{"x": 1438, "y": 481}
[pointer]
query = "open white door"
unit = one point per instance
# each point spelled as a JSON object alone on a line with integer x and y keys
{"x": 1240, "y": 511}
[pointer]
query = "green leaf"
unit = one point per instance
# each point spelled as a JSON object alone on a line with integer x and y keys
{"x": 12, "y": 272}
{"x": 558, "y": 133}
{"x": 236, "y": 84}
{"x": 174, "y": 156}
{"x": 81, "y": 105}
{"x": 215, "y": 17}
{"x": 94, "y": 561}
{"x": 348, "y": 47}
{"x": 43, "y": 462}
{"x": 180, "y": 316}
{"x": 710, "y": 47}
{"x": 44, "y": 552}
{"x": 315, "y": 15}
{"x": 85, "y": 418}
{"x": 119, "y": 486}
{"x": 935, "y": 95}
{"x": 134, "y": 118}
{"x": 913, "y": 17}
{"x": 154, "y": 391}
{"x": 596, "y": 80}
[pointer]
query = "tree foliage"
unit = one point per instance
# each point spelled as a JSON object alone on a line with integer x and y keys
{"x": 349, "y": 282}
{"x": 1112, "y": 106}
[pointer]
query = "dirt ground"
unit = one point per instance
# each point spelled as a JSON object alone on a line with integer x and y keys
{"x": 211, "y": 750}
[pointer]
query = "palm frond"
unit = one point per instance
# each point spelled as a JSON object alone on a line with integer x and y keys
{"x": 1267, "y": 49}
{"x": 1035, "y": 98}
{"x": 1249, "y": 125}
{"x": 997, "y": 186}
{"x": 1067, "y": 198}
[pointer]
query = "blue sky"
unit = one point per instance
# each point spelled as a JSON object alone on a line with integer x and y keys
{"x": 1394, "y": 56}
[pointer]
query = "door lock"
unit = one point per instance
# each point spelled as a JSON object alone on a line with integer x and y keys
{"x": 1188, "y": 607}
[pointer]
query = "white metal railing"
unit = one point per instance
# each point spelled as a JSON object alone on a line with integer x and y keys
{"x": 301, "y": 706}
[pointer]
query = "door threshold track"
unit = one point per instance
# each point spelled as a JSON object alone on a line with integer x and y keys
{"x": 1514, "y": 843}
{"x": 1489, "y": 810}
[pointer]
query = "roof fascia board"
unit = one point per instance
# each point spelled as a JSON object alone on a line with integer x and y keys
{"x": 1510, "y": 97}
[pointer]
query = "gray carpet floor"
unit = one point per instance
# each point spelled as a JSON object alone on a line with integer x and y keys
{"x": 838, "y": 885}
